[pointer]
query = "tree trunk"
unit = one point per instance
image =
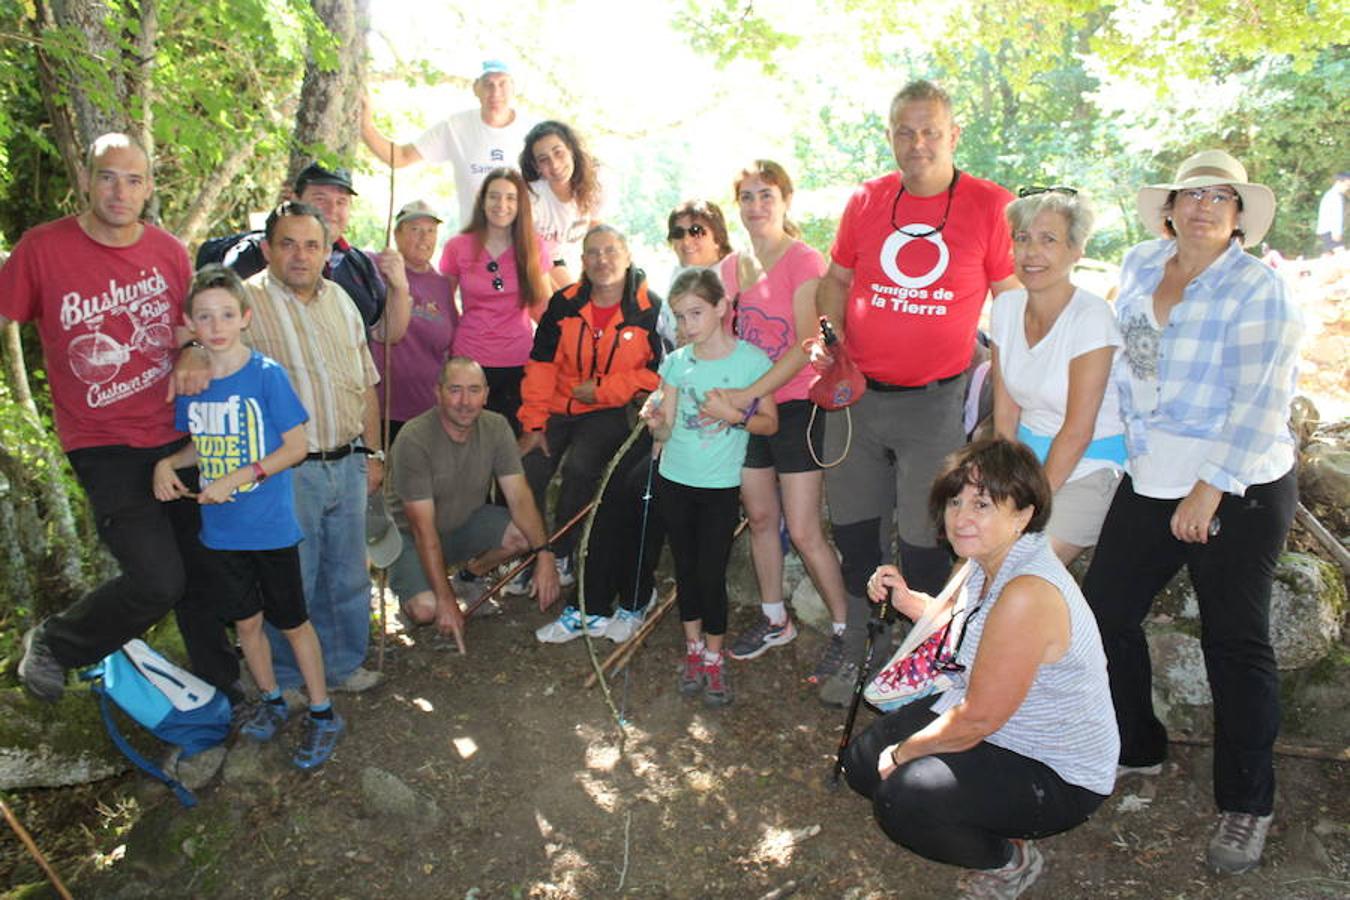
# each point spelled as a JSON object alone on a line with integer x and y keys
{"x": 330, "y": 98}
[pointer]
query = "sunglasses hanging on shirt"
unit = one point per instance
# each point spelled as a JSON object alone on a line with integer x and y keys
{"x": 493, "y": 269}
{"x": 931, "y": 230}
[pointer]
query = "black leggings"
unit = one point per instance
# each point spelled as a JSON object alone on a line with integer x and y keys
{"x": 961, "y": 808}
{"x": 700, "y": 523}
{"x": 613, "y": 554}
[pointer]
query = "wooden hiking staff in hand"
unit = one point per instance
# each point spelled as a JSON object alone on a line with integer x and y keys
{"x": 524, "y": 561}
{"x": 622, "y": 653}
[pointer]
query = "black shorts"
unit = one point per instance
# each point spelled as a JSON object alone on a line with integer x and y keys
{"x": 785, "y": 451}
{"x": 242, "y": 583}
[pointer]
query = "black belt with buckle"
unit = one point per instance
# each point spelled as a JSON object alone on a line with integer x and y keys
{"x": 885, "y": 388}
{"x": 332, "y": 455}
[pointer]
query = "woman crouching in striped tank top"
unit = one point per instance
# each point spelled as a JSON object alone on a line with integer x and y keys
{"x": 1024, "y": 743}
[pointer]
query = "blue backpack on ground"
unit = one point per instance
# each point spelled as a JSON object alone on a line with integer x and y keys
{"x": 174, "y": 705}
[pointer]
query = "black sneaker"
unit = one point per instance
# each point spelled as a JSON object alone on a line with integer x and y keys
{"x": 830, "y": 660}
{"x": 761, "y": 636}
{"x": 41, "y": 674}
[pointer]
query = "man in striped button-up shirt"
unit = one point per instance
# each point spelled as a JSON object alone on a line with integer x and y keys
{"x": 311, "y": 327}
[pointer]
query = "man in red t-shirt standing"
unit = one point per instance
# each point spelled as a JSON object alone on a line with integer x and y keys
{"x": 917, "y": 253}
{"x": 105, "y": 291}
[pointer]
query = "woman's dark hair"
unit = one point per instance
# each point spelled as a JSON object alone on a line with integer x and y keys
{"x": 999, "y": 468}
{"x": 584, "y": 182}
{"x": 1171, "y": 202}
{"x": 707, "y": 212}
{"x": 533, "y": 283}
{"x": 702, "y": 283}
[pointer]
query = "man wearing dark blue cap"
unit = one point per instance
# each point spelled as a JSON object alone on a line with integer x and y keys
{"x": 473, "y": 141}
{"x": 371, "y": 281}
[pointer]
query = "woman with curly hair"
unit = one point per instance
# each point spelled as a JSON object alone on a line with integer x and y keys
{"x": 566, "y": 194}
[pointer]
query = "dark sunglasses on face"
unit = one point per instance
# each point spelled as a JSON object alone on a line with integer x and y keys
{"x": 497, "y": 283}
{"x": 1057, "y": 189}
{"x": 677, "y": 232}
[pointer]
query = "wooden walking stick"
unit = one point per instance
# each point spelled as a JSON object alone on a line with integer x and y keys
{"x": 382, "y": 575}
{"x": 27, "y": 840}
{"x": 523, "y": 562}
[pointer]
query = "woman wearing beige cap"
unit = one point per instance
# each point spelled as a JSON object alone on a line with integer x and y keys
{"x": 1205, "y": 379}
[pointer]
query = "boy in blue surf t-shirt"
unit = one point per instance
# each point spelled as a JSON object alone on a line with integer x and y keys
{"x": 247, "y": 431}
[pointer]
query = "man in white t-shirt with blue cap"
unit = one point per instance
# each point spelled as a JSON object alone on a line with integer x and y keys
{"x": 473, "y": 141}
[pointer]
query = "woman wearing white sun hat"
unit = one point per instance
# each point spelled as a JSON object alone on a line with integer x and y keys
{"x": 1205, "y": 379}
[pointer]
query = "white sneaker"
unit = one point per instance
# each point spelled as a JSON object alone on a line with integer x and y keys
{"x": 519, "y": 585}
{"x": 567, "y": 627}
{"x": 623, "y": 625}
{"x": 566, "y": 571}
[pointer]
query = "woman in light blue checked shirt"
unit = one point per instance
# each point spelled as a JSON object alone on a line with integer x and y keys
{"x": 1205, "y": 379}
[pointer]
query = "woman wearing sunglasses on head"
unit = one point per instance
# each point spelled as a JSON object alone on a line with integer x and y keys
{"x": 499, "y": 265}
{"x": 1208, "y": 367}
{"x": 774, "y": 307}
{"x": 1053, "y": 346}
{"x": 565, "y": 192}
{"x": 1022, "y": 744}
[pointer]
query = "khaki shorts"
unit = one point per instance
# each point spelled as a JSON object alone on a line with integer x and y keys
{"x": 1080, "y": 506}
{"x": 484, "y": 530}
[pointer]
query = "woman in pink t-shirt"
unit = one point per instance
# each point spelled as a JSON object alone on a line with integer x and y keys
{"x": 499, "y": 265}
{"x": 774, "y": 308}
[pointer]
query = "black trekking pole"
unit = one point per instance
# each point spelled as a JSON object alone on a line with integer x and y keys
{"x": 881, "y": 615}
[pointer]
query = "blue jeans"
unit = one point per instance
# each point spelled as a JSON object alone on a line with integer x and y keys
{"x": 330, "y": 502}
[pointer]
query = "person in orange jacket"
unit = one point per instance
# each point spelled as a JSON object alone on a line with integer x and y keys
{"x": 595, "y": 352}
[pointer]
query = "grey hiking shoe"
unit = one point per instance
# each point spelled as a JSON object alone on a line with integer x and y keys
{"x": 716, "y": 683}
{"x": 1238, "y": 842}
{"x": 691, "y": 673}
{"x": 41, "y": 674}
{"x": 837, "y": 690}
{"x": 831, "y": 658}
{"x": 1005, "y": 883}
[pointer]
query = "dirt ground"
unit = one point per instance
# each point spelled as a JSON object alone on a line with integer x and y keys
{"x": 535, "y": 799}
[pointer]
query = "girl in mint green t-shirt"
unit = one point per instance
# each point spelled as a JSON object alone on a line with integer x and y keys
{"x": 704, "y": 438}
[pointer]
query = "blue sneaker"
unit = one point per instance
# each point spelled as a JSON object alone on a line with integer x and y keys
{"x": 265, "y": 722}
{"x": 318, "y": 742}
{"x": 568, "y": 627}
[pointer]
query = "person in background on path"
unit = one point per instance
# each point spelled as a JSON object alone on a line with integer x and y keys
{"x": 439, "y": 475}
{"x": 1330, "y": 228}
{"x": 916, "y": 254}
{"x": 704, "y": 439}
{"x": 595, "y": 353}
{"x": 565, "y": 193}
{"x": 376, "y": 283}
{"x": 473, "y": 141}
{"x": 307, "y": 324}
{"x": 1210, "y": 359}
{"x": 419, "y": 354}
{"x": 1053, "y": 347}
{"x": 775, "y": 309}
{"x": 105, "y": 292}
{"x": 1023, "y": 745}
{"x": 498, "y": 265}
{"x": 247, "y": 432}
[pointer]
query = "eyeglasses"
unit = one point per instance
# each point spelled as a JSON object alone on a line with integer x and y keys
{"x": 1216, "y": 197}
{"x": 493, "y": 268}
{"x": 1056, "y": 189}
{"x": 932, "y": 230}
{"x": 677, "y": 232}
{"x": 611, "y": 252}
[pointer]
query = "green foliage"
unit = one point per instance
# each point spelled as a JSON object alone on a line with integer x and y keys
{"x": 730, "y": 30}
